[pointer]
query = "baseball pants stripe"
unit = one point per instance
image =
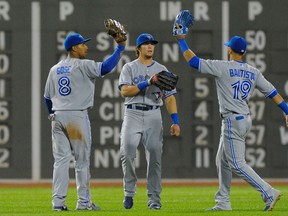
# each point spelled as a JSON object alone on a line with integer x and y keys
{"x": 236, "y": 165}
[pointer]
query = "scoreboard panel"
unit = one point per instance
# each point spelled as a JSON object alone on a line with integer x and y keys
{"x": 25, "y": 136}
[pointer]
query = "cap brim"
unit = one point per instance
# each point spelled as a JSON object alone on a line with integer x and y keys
{"x": 227, "y": 44}
{"x": 87, "y": 39}
{"x": 153, "y": 42}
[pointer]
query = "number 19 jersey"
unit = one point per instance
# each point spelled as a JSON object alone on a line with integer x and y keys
{"x": 235, "y": 83}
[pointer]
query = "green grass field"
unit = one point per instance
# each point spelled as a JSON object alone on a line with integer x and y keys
{"x": 175, "y": 201}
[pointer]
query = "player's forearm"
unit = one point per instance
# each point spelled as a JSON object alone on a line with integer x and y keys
{"x": 188, "y": 54}
{"x": 278, "y": 99}
{"x": 170, "y": 103}
{"x": 171, "y": 106}
{"x": 129, "y": 91}
{"x": 111, "y": 62}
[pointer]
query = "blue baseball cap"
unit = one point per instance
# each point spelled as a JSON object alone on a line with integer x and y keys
{"x": 73, "y": 40}
{"x": 144, "y": 38}
{"x": 237, "y": 43}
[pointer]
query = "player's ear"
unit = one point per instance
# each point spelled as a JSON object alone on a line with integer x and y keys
{"x": 73, "y": 48}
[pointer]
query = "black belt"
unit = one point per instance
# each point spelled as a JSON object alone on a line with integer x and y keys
{"x": 229, "y": 113}
{"x": 141, "y": 107}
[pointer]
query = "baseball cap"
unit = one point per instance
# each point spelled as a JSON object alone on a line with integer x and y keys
{"x": 144, "y": 38}
{"x": 237, "y": 43}
{"x": 73, "y": 40}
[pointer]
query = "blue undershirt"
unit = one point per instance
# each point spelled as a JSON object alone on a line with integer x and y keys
{"x": 48, "y": 103}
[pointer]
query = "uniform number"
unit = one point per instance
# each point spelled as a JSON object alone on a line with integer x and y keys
{"x": 243, "y": 87}
{"x": 64, "y": 88}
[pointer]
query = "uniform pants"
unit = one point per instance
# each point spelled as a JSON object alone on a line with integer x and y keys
{"x": 231, "y": 158}
{"x": 71, "y": 136}
{"x": 145, "y": 127}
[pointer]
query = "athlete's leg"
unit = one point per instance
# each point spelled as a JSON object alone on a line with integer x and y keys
{"x": 131, "y": 133}
{"x": 153, "y": 143}
{"x": 222, "y": 197}
{"x": 234, "y": 144}
{"x": 79, "y": 132}
{"x": 62, "y": 156}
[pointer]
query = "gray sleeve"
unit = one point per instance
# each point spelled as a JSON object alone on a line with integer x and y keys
{"x": 125, "y": 76}
{"x": 49, "y": 88}
{"x": 164, "y": 68}
{"x": 169, "y": 93}
{"x": 263, "y": 85}
{"x": 213, "y": 67}
{"x": 91, "y": 68}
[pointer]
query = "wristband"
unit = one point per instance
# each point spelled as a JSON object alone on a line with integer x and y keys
{"x": 142, "y": 85}
{"x": 284, "y": 107}
{"x": 183, "y": 45}
{"x": 174, "y": 118}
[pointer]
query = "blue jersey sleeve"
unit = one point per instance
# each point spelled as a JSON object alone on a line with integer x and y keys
{"x": 112, "y": 61}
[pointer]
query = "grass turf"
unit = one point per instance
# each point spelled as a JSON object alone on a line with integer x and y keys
{"x": 179, "y": 200}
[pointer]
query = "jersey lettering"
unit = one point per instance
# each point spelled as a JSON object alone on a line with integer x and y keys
{"x": 138, "y": 79}
{"x": 63, "y": 70}
{"x": 242, "y": 73}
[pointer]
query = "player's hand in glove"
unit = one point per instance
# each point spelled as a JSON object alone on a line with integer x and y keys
{"x": 164, "y": 80}
{"x": 116, "y": 30}
{"x": 183, "y": 21}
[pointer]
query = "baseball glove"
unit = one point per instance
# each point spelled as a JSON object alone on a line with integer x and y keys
{"x": 116, "y": 30}
{"x": 164, "y": 80}
{"x": 185, "y": 20}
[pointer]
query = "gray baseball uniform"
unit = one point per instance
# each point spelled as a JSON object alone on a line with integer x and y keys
{"x": 235, "y": 82}
{"x": 142, "y": 123}
{"x": 70, "y": 86}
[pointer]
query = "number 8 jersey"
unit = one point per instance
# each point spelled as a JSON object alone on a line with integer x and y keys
{"x": 235, "y": 83}
{"x": 71, "y": 84}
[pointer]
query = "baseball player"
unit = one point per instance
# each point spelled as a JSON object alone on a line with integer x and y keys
{"x": 142, "y": 120}
{"x": 235, "y": 82}
{"x": 69, "y": 93}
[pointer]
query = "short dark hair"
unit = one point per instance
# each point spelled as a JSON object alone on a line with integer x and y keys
{"x": 137, "y": 53}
